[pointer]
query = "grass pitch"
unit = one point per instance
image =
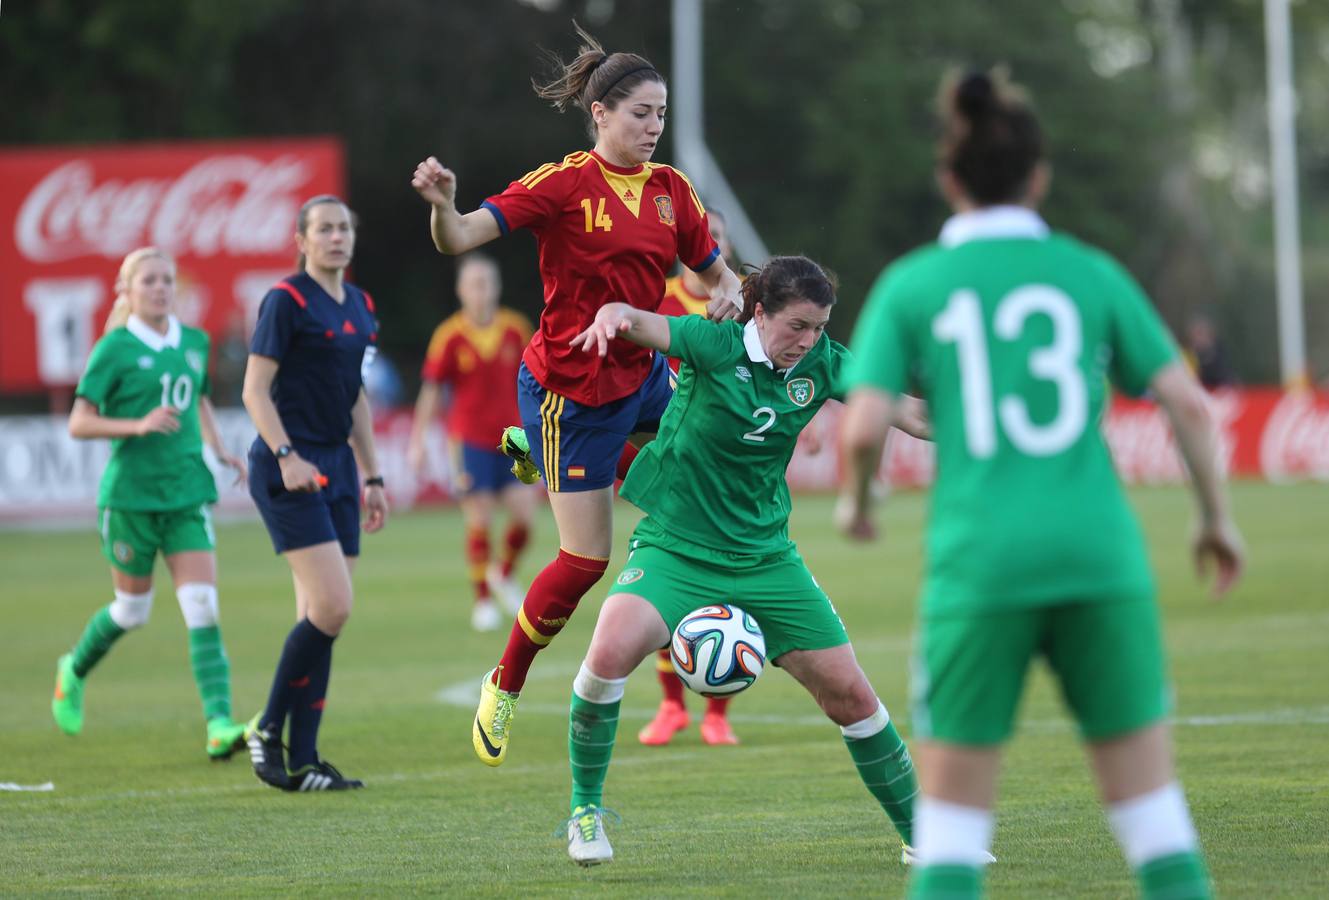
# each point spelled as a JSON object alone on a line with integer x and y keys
{"x": 137, "y": 808}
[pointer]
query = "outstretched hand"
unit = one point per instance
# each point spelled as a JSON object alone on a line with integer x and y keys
{"x": 435, "y": 183}
{"x": 611, "y": 321}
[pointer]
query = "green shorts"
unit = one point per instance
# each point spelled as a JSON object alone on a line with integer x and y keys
{"x": 131, "y": 539}
{"x": 969, "y": 669}
{"x": 778, "y": 591}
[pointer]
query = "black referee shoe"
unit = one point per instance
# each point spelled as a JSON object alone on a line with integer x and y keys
{"x": 321, "y": 776}
{"x": 265, "y": 752}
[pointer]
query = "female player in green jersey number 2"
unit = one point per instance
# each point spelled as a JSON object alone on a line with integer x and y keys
{"x": 1012, "y": 332}
{"x": 146, "y": 388}
{"x": 717, "y": 528}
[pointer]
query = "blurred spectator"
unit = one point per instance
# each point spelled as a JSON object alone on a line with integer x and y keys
{"x": 232, "y": 354}
{"x": 1206, "y": 354}
{"x": 383, "y": 384}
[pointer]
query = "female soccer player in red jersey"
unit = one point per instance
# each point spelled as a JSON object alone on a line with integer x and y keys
{"x": 475, "y": 352}
{"x": 608, "y": 224}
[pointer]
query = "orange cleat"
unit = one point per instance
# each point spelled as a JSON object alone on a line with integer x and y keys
{"x": 715, "y": 730}
{"x": 670, "y": 719}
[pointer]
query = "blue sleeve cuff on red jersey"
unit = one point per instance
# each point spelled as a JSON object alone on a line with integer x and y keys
{"x": 706, "y": 263}
{"x": 498, "y": 216}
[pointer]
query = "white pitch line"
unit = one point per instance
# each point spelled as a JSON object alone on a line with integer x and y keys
{"x": 465, "y": 694}
{"x": 464, "y": 770}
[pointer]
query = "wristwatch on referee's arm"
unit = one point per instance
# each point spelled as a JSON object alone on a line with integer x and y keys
{"x": 375, "y": 481}
{"x": 283, "y": 451}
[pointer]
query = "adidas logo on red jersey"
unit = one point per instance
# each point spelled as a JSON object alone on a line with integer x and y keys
{"x": 628, "y": 195}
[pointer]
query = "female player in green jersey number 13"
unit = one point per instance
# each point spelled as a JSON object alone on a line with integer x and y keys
{"x": 1012, "y": 332}
{"x": 717, "y": 528}
{"x": 146, "y": 389}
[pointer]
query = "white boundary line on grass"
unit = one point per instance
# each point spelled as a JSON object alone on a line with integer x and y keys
{"x": 466, "y": 694}
{"x": 460, "y": 771}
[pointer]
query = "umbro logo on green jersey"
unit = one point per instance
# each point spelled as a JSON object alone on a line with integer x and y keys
{"x": 145, "y": 362}
{"x": 742, "y": 374}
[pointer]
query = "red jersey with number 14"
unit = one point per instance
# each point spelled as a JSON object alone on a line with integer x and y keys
{"x": 605, "y": 234}
{"x": 480, "y": 363}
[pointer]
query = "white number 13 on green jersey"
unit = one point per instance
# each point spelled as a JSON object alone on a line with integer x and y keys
{"x": 961, "y": 323}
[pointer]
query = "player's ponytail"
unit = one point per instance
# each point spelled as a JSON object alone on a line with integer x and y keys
{"x": 593, "y": 76}
{"x": 120, "y": 310}
{"x": 991, "y": 141}
{"x": 784, "y": 280}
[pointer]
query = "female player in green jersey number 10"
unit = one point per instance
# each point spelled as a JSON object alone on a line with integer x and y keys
{"x": 146, "y": 388}
{"x": 717, "y": 528}
{"x": 1012, "y": 333}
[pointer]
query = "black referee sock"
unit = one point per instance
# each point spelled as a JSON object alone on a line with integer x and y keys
{"x": 305, "y": 645}
{"x": 307, "y": 713}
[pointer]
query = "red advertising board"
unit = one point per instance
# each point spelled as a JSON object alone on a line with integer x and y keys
{"x": 225, "y": 210}
{"x": 1263, "y": 433}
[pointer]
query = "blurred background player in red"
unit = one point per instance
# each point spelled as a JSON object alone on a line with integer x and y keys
{"x": 685, "y": 295}
{"x": 475, "y": 353}
{"x": 608, "y": 224}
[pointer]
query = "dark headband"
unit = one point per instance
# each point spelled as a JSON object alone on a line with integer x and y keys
{"x": 601, "y": 98}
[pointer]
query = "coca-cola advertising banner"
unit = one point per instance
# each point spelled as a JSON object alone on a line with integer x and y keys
{"x": 1262, "y": 433}
{"x": 225, "y": 210}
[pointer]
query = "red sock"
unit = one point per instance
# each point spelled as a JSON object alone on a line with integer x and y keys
{"x": 669, "y": 680}
{"x": 477, "y": 561}
{"x": 549, "y": 604}
{"x": 513, "y": 543}
{"x": 717, "y": 705}
{"x": 625, "y": 460}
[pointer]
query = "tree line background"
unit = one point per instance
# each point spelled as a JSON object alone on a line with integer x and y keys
{"x": 821, "y": 113}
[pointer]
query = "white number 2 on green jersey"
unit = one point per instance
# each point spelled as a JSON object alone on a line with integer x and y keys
{"x": 756, "y": 433}
{"x": 961, "y": 323}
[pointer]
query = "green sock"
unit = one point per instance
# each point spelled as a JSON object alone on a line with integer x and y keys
{"x": 884, "y": 765}
{"x": 97, "y": 638}
{"x": 950, "y": 881}
{"x": 1179, "y": 876}
{"x": 591, "y": 729}
{"x": 212, "y": 670}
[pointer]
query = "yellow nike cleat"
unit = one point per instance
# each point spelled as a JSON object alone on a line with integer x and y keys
{"x": 493, "y": 721}
{"x": 514, "y": 445}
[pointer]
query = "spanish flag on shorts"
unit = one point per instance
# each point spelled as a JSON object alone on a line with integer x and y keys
{"x": 576, "y": 471}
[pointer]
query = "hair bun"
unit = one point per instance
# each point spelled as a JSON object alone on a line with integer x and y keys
{"x": 975, "y": 96}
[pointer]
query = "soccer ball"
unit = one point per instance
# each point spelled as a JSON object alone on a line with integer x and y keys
{"x": 718, "y": 650}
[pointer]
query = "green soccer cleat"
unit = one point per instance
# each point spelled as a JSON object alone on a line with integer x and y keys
{"x": 224, "y": 738}
{"x": 493, "y": 721}
{"x": 67, "y": 703}
{"x": 513, "y": 444}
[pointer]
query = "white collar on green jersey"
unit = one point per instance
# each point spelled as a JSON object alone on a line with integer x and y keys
{"x": 992, "y": 222}
{"x": 151, "y": 336}
{"x": 757, "y": 353}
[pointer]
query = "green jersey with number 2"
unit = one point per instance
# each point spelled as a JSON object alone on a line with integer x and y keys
{"x": 715, "y": 475}
{"x": 132, "y": 371}
{"x": 1011, "y": 334}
